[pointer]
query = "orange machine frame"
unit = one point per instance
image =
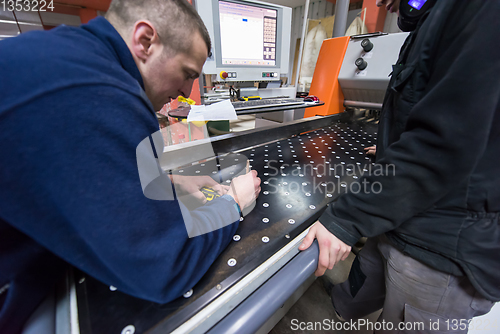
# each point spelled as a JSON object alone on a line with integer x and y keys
{"x": 325, "y": 84}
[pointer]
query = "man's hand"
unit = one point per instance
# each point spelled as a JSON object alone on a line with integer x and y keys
{"x": 191, "y": 185}
{"x": 331, "y": 249}
{"x": 245, "y": 189}
{"x": 390, "y": 5}
{"x": 371, "y": 150}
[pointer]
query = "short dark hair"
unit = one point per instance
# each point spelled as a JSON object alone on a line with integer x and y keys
{"x": 174, "y": 20}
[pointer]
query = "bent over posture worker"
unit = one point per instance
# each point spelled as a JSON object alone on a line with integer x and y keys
{"x": 434, "y": 250}
{"x": 76, "y": 102}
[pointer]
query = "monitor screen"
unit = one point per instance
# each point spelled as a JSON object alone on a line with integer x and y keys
{"x": 250, "y": 39}
{"x": 247, "y": 34}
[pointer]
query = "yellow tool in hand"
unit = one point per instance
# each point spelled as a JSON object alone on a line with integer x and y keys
{"x": 211, "y": 194}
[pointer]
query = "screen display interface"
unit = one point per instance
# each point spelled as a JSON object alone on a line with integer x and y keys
{"x": 417, "y": 4}
{"x": 248, "y": 34}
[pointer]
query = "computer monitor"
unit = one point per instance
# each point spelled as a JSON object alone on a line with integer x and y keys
{"x": 251, "y": 39}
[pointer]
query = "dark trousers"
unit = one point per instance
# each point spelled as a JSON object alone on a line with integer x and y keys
{"x": 414, "y": 298}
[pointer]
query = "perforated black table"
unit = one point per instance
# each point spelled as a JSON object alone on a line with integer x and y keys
{"x": 303, "y": 165}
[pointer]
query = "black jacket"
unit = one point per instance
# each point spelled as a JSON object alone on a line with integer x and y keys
{"x": 440, "y": 128}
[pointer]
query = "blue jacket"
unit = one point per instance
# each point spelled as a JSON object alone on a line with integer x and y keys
{"x": 72, "y": 113}
{"x": 440, "y": 128}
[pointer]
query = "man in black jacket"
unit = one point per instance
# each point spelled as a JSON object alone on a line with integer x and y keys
{"x": 434, "y": 253}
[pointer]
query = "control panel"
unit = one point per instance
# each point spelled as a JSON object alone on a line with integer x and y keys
{"x": 233, "y": 76}
{"x": 368, "y": 61}
{"x": 224, "y": 75}
{"x": 270, "y": 75}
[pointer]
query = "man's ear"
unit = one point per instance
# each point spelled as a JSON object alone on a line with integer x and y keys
{"x": 144, "y": 36}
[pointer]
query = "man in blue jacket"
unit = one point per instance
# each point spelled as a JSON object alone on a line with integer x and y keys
{"x": 434, "y": 254}
{"x": 76, "y": 103}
